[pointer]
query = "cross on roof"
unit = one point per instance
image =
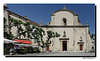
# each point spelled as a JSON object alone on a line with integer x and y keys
{"x": 64, "y": 7}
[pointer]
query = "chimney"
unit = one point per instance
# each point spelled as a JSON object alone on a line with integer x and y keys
{"x": 41, "y": 23}
{"x": 25, "y": 16}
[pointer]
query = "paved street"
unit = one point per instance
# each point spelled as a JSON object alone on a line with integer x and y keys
{"x": 58, "y": 54}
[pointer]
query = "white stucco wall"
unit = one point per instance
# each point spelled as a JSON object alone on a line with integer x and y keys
{"x": 75, "y": 21}
{"x": 6, "y": 17}
{"x": 73, "y": 33}
{"x": 57, "y": 19}
{"x": 14, "y": 29}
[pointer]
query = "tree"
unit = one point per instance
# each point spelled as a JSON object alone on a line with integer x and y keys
{"x": 42, "y": 33}
{"x": 28, "y": 30}
{"x": 5, "y": 25}
{"x": 10, "y": 24}
{"x": 50, "y": 35}
{"x": 18, "y": 23}
{"x": 6, "y": 34}
{"x": 93, "y": 36}
{"x": 39, "y": 33}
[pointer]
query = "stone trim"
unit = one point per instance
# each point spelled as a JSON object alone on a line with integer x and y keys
{"x": 62, "y": 26}
{"x": 81, "y": 43}
{"x": 64, "y": 10}
{"x": 63, "y": 38}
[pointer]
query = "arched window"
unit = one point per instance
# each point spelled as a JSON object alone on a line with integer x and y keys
{"x": 64, "y": 21}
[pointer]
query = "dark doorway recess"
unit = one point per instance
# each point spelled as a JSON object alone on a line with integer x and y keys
{"x": 64, "y": 46}
{"x": 47, "y": 48}
{"x": 81, "y": 47}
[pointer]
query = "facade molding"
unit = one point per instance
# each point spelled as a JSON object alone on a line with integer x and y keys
{"x": 63, "y": 38}
{"x": 63, "y": 26}
{"x": 64, "y": 10}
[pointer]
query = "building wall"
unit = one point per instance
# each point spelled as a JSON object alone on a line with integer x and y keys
{"x": 6, "y": 16}
{"x": 57, "y": 19}
{"x": 73, "y": 33}
{"x": 14, "y": 29}
{"x": 75, "y": 21}
{"x": 79, "y": 32}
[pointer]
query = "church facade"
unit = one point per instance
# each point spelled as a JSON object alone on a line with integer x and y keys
{"x": 74, "y": 36}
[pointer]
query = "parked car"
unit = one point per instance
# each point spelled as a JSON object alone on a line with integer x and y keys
{"x": 92, "y": 51}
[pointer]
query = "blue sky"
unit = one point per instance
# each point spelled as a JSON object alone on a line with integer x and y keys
{"x": 38, "y": 12}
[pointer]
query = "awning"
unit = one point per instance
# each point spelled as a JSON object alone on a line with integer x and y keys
{"x": 24, "y": 41}
{"x": 9, "y": 41}
{"x": 27, "y": 45}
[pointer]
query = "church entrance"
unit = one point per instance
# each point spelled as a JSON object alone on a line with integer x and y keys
{"x": 64, "y": 46}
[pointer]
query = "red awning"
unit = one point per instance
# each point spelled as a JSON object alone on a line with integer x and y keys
{"x": 24, "y": 41}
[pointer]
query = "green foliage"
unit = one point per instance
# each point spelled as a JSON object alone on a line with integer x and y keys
{"x": 17, "y": 22}
{"x": 8, "y": 36}
{"x": 33, "y": 27}
{"x": 93, "y": 36}
{"x": 5, "y": 20}
{"x": 26, "y": 24}
{"x": 28, "y": 30}
{"x": 36, "y": 50}
{"x": 6, "y": 51}
{"x": 11, "y": 19}
{"x": 38, "y": 34}
{"x": 5, "y": 25}
{"x": 22, "y": 51}
{"x": 57, "y": 35}
{"x": 51, "y": 35}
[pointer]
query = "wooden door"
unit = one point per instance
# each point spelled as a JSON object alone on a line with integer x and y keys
{"x": 47, "y": 48}
{"x": 81, "y": 47}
